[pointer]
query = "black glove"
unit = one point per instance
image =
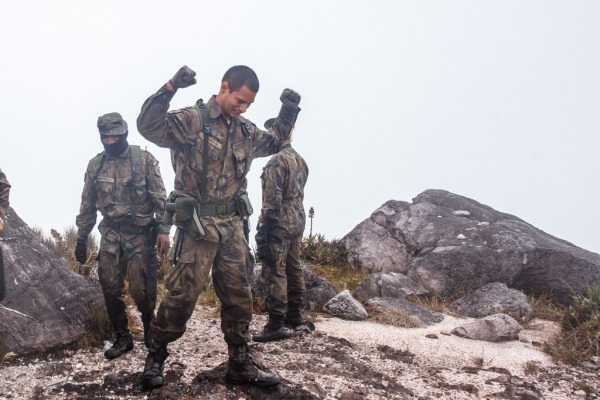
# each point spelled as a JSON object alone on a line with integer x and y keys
{"x": 183, "y": 78}
{"x": 290, "y": 98}
{"x": 262, "y": 244}
{"x": 81, "y": 252}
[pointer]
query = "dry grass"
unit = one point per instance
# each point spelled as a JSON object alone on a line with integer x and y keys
{"x": 432, "y": 302}
{"x": 580, "y": 323}
{"x": 531, "y": 368}
{"x": 392, "y": 317}
{"x": 545, "y": 308}
{"x": 342, "y": 277}
{"x": 99, "y": 328}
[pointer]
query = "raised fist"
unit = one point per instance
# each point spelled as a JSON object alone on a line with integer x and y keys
{"x": 183, "y": 78}
{"x": 290, "y": 98}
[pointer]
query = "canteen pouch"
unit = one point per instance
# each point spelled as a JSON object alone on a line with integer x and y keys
{"x": 186, "y": 217}
{"x": 244, "y": 207}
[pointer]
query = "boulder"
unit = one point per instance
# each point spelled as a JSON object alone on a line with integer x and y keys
{"x": 46, "y": 304}
{"x": 493, "y": 328}
{"x": 494, "y": 298}
{"x": 344, "y": 306}
{"x": 318, "y": 290}
{"x": 452, "y": 245}
{"x": 392, "y": 284}
{"x": 422, "y": 314}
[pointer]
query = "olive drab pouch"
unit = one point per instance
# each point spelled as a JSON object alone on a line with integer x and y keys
{"x": 244, "y": 207}
{"x": 186, "y": 217}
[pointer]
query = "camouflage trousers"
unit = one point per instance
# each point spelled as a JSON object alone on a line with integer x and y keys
{"x": 123, "y": 257}
{"x": 191, "y": 275}
{"x": 282, "y": 276}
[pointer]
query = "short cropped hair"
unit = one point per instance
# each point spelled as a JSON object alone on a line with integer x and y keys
{"x": 240, "y": 75}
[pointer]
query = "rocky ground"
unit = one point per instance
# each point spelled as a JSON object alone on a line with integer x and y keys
{"x": 340, "y": 360}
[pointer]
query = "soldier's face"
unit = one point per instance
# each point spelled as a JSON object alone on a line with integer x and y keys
{"x": 233, "y": 104}
{"x": 109, "y": 139}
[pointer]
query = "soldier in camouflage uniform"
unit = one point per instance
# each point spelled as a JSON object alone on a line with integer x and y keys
{"x": 125, "y": 185}
{"x": 4, "y": 192}
{"x": 279, "y": 238}
{"x": 211, "y": 159}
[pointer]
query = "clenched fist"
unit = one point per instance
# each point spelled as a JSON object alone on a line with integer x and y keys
{"x": 290, "y": 98}
{"x": 183, "y": 78}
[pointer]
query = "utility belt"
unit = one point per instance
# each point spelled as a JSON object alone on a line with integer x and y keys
{"x": 127, "y": 228}
{"x": 217, "y": 210}
{"x": 188, "y": 212}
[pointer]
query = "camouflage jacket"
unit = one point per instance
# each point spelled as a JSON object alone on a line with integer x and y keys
{"x": 4, "y": 191}
{"x": 283, "y": 181}
{"x": 113, "y": 193}
{"x": 232, "y": 147}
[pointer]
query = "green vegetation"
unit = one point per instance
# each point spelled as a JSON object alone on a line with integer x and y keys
{"x": 63, "y": 245}
{"x": 316, "y": 249}
{"x": 580, "y": 323}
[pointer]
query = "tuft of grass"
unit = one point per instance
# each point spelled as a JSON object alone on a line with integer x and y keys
{"x": 392, "y": 317}
{"x": 316, "y": 249}
{"x": 580, "y": 336}
{"x": 432, "y": 302}
{"x": 531, "y": 368}
{"x": 477, "y": 361}
{"x": 99, "y": 328}
{"x": 342, "y": 277}
{"x": 480, "y": 361}
{"x": 545, "y": 308}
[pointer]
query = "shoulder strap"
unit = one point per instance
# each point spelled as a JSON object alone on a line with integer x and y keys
{"x": 204, "y": 116}
{"x": 136, "y": 178}
{"x": 136, "y": 162}
{"x": 96, "y": 164}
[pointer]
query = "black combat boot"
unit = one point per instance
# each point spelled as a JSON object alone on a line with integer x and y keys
{"x": 122, "y": 345}
{"x": 294, "y": 320}
{"x": 152, "y": 377}
{"x": 274, "y": 330}
{"x": 148, "y": 338}
{"x": 242, "y": 369}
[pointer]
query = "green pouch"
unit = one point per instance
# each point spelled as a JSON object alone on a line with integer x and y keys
{"x": 244, "y": 207}
{"x": 187, "y": 219}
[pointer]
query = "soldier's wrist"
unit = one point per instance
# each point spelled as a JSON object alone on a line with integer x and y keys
{"x": 164, "y": 95}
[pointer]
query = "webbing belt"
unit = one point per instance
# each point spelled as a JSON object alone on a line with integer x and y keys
{"x": 125, "y": 228}
{"x": 213, "y": 210}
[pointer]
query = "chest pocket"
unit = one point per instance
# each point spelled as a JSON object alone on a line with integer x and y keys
{"x": 194, "y": 153}
{"x": 105, "y": 188}
{"x": 240, "y": 155}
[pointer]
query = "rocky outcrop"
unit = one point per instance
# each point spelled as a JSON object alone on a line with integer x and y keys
{"x": 345, "y": 306}
{"x": 493, "y": 328}
{"x": 494, "y": 298}
{"x": 451, "y": 244}
{"x": 422, "y": 314}
{"x": 318, "y": 290}
{"x": 382, "y": 284}
{"x": 46, "y": 304}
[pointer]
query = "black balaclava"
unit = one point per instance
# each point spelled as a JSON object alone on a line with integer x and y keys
{"x": 118, "y": 147}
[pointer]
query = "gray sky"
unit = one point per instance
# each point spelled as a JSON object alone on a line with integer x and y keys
{"x": 494, "y": 100}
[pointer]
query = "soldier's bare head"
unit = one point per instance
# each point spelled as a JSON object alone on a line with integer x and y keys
{"x": 240, "y": 75}
{"x": 238, "y": 90}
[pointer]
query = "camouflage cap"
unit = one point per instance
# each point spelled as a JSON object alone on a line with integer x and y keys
{"x": 112, "y": 124}
{"x": 269, "y": 123}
